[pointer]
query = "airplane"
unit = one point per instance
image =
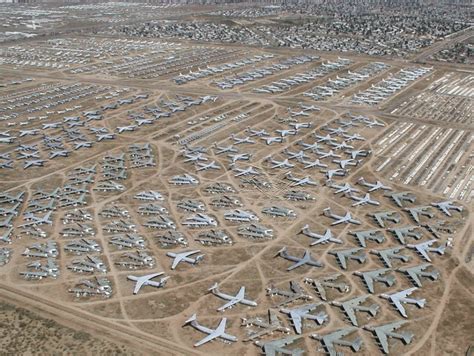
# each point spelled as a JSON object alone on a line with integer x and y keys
{"x": 295, "y": 155}
{"x": 389, "y": 253}
{"x": 406, "y": 231}
{"x": 309, "y": 107}
{"x": 447, "y": 205}
{"x": 356, "y": 153}
{"x": 346, "y": 219}
{"x": 303, "y": 312}
{"x": 320, "y": 239}
{"x": 276, "y": 347}
{"x": 239, "y": 141}
{"x": 298, "y": 113}
{"x": 287, "y": 132}
{"x": 184, "y": 256}
{"x": 341, "y": 146}
{"x": 424, "y": 247}
{"x": 83, "y": 144}
{"x": 122, "y": 129}
{"x": 366, "y": 199}
{"x": 51, "y": 125}
{"x": 343, "y": 254}
{"x": 219, "y": 332}
{"x": 346, "y": 188}
{"x": 60, "y": 153}
{"x": 272, "y": 139}
{"x": 399, "y": 197}
{"x": 239, "y": 157}
{"x": 222, "y": 149}
{"x": 299, "y": 181}
{"x": 377, "y": 275}
{"x": 232, "y": 300}
{"x": 314, "y": 147}
{"x": 334, "y": 172}
{"x": 300, "y": 125}
{"x": 245, "y": 171}
{"x": 330, "y": 153}
{"x": 6, "y": 235}
{"x": 295, "y": 293}
{"x": 7, "y": 139}
{"x": 415, "y": 212}
{"x": 335, "y": 338}
{"x": 352, "y": 305}
{"x": 258, "y": 133}
{"x": 279, "y": 164}
{"x": 37, "y": 220}
{"x": 105, "y": 136}
{"x": 267, "y": 327}
{"x": 147, "y": 281}
{"x": 353, "y": 137}
{"x": 373, "y": 186}
{"x": 343, "y": 163}
{"x": 326, "y": 138}
{"x": 327, "y": 282}
{"x": 6, "y": 164}
{"x": 143, "y": 121}
{"x": 204, "y": 167}
{"x": 386, "y": 331}
{"x": 307, "y": 259}
{"x": 414, "y": 273}
{"x": 312, "y": 164}
{"x": 402, "y": 297}
{"x": 373, "y": 123}
{"x": 194, "y": 157}
{"x": 34, "y": 163}
{"x": 381, "y": 216}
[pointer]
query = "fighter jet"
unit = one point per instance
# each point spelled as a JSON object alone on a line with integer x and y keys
{"x": 402, "y": 297}
{"x": 366, "y": 199}
{"x": 335, "y": 338}
{"x": 147, "y": 281}
{"x": 184, "y": 257}
{"x": 363, "y": 235}
{"x": 373, "y": 186}
{"x": 377, "y": 275}
{"x": 320, "y": 239}
{"x": 299, "y": 181}
{"x": 303, "y": 312}
{"x": 414, "y": 273}
{"x": 219, "y": 332}
{"x": 352, "y": 305}
{"x": 272, "y": 139}
{"x": 205, "y": 166}
{"x": 279, "y": 164}
{"x": 307, "y": 259}
{"x": 424, "y": 247}
{"x": 390, "y": 253}
{"x": 447, "y": 205}
{"x": 346, "y": 219}
{"x": 276, "y": 347}
{"x": 232, "y": 300}
{"x": 346, "y": 188}
{"x": 386, "y": 331}
{"x": 240, "y": 140}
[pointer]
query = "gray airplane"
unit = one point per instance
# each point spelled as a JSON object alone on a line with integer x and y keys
{"x": 446, "y": 206}
{"x": 363, "y": 235}
{"x": 391, "y": 253}
{"x": 424, "y": 247}
{"x": 307, "y": 259}
{"x": 218, "y": 333}
{"x": 183, "y": 256}
{"x": 327, "y": 237}
{"x": 266, "y": 327}
{"x": 6, "y": 235}
{"x": 298, "y": 314}
{"x": 419, "y": 210}
{"x": 35, "y": 220}
{"x": 34, "y": 163}
{"x": 277, "y": 347}
{"x": 279, "y": 164}
{"x": 327, "y": 282}
{"x": 343, "y": 255}
{"x": 406, "y": 231}
{"x": 400, "y": 197}
{"x": 205, "y": 166}
{"x": 377, "y": 275}
{"x": 232, "y": 300}
{"x": 416, "y": 272}
{"x": 382, "y": 216}
{"x": 402, "y": 297}
{"x": 295, "y": 293}
{"x": 147, "y": 281}
{"x": 312, "y": 164}
{"x": 346, "y": 188}
{"x": 373, "y": 186}
{"x": 272, "y": 139}
{"x": 245, "y": 171}
{"x": 221, "y": 149}
{"x": 352, "y": 305}
{"x": 386, "y": 331}
{"x": 366, "y": 199}
{"x": 330, "y": 173}
{"x": 299, "y": 181}
{"x": 330, "y": 340}
{"x": 346, "y": 219}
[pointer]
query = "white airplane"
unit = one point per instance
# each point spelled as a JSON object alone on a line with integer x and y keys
{"x": 280, "y": 164}
{"x": 146, "y": 281}
{"x": 239, "y": 140}
{"x": 320, "y": 239}
{"x": 346, "y": 188}
{"x": 272, "y": 139}
{"x": 121, "y": 129}
{"x": 239, "y": 157}
{"x": 366, "y": 199}
{"x": 347, "y": 218}
{"x": 245, "y": 171}
{"x": 232, "y": 300}
{"x": 299, "y": 313}
{"x": 295, "y": 155}
{"x": 204, "y": 167}
{"x": 312, "y": 164}
{"x": 219, "y": 332}
{"x": 343, "y": 163}
{"x": 258, "y": 133}
{"x": 326, "y": 138}
{"x": 401, "y": 297}
{"x": 309, "y": 146}
{"x": 194, "y": 157}
{"x": 184, "y": 256}
{"x": 373, "y": 186}
{"x": 299, "y": 181}
{"x": 222, "y": 149}
{"x": 331, "y": 153}
{"x": 300, "y": 125}
{"x": 287, "y": 132}
{"x": 424, "y": 247}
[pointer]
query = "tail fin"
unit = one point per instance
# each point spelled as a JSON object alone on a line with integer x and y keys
{"x": 406, "y": 337}
{"x": 190, "y": 320}
{"x": 421, "y": 303}
{"x": 164, "y": 280}
{"x": 373, "y": 309}
{"x": 357, "y": 344}
{"x": 198, "y": 259}
{"x": 214, "y": 287}
{"x": 282, "y": 250}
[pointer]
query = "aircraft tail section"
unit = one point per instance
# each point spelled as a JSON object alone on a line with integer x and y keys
{"x": 190, "y": 320}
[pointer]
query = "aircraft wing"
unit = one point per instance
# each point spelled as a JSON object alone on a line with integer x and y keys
{"x": 229, "y": 304}
{"x": 296, "y": 318}
{"x": 208, "y": 338}
{"x": 296, "y": 265}
{"x": 369, "y": 282}
{"x": 399, "y": 306}
{"x": 176, "y": 261}
{"x": 350, "y": 314}
{"x": 423, "y": 253}
{"x": 382, "y": 337}
{"x": 413, "y": 275}
{"x": 138, "y": 285}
